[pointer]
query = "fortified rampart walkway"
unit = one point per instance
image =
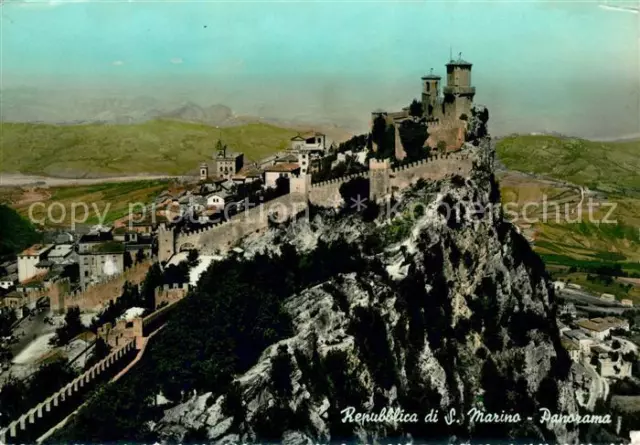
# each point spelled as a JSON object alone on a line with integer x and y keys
{"x": 43, "y": 419}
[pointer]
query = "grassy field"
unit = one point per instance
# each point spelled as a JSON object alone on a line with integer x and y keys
{"x": 161, "y": 146}
{"x": 110, "y": 199}
{"x": 610, "y": 167}
{"x": 574, "y": 246}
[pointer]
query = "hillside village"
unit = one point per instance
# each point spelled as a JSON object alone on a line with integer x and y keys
{"x": 90, "y": 270}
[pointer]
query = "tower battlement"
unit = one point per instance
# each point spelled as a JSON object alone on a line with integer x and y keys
{"x": 446, "y": 108}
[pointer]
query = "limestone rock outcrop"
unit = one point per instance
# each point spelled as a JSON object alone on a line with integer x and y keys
{"x": 452, "y": 311}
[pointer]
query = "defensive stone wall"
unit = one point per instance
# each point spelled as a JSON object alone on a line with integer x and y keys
{"x": 126, "y": 330}
{"x": 327, "y": 193}
{"x": 169, "y": 293}
{"x": 223, "y": 237}
{"x": 54, "y": 408}
{"x": 434, "y": 168}
{"x": 99, "y": 294}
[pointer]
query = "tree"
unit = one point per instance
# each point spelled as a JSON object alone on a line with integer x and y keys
{"x": 12, "y": 400}
{"x": 355, "y": 191}
{"x": 192, "y": 258}
{"x": 127, "y": 261}
{"x": 140, "y": 256}
{"x": 413, "y": 135}
{"x": 415, "y": 109}
{"x": 7, "y": 319}
{"x": 153, "y": 279}
{"x": 281, "y": 370}
{"x": 232, "y": 405}
{"x": 71, "y": 328}
{"x": 282, "y": 186}
{"x": 100, "y": 350}
{"x": 383, "y": 136}
{"x": 48, "y": 379}
{"x": 442, "y": 147}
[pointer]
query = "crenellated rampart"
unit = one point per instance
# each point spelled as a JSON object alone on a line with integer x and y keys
{"x": 327, "y": 193}
{"x": 54, "y": 408}
{"x": 98, "y": 295}
{"x": 433, "y": 168}
{"x": 221, "y": 237}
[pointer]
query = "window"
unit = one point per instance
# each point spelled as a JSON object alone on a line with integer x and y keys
{"x": 428, "y": 87}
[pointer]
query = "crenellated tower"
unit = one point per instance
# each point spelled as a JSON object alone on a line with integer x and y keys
{"x": 459, "y": 93}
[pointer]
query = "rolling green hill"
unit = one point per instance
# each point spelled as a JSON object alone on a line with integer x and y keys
{"x": 611, "y": 167}
{"x": 160, "y": 146}
{"x": 573, "y": 250}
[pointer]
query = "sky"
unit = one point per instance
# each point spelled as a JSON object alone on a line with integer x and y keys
{"x": 566, "y": 66}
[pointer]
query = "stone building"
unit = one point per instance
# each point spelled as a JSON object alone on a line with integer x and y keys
{"x": 283, "y": 170}
{"x": 101, "y": 262}
{"x": 307, "y": 148}
{"x": 445, "y": 109}
{"x": 227, "y": 163}
{"x": 31, "y": 261}
{"x": 601, "y": 327}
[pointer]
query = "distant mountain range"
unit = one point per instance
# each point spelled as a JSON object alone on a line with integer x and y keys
{"x": 56, "y": 107}
{"x": 32, "y": 105}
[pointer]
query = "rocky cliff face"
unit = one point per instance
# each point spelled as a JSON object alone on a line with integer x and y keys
{"x": 453, "y": 311}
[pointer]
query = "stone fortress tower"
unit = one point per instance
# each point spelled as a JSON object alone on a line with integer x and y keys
{"x": 166, "y": 242}
{"x": 445, "y": 109}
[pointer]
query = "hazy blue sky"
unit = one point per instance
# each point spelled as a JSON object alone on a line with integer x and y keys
{"x": 566, "y": 66}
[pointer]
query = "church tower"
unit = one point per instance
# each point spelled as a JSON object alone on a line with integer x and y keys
{"x": 204, "y": 171}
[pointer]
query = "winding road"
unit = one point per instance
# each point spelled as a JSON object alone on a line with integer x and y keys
{"x": 17, "y": 180}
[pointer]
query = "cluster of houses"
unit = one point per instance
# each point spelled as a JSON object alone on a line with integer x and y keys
{"x": 81, "y": 259}
{"x": 598, "y": 343}
{"x": 100, "y": 253}
{"x": 221, "y": 178}
{"x": 302, "y": 157}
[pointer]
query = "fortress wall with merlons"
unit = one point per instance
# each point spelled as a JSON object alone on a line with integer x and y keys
{"x": 383, "y": 180}
{"x": 327, "y": 193}
{"x": 434, "y": 168}
{"x": 100, "y": 294}
{"x": 223, "y": 237}
{"x": 44, "y": 415}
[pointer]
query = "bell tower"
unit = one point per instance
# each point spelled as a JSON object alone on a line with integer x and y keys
{"x": 430, "y": 93}
{"x": 204, "y": 171}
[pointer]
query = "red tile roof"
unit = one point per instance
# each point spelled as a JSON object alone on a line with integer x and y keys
{"x": 284, "y": 167}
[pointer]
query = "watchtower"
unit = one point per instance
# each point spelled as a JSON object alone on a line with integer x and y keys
{"x": 379, "y": 179}
{"x": 166, "y": 242}
{"x": 459, "y": 89}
